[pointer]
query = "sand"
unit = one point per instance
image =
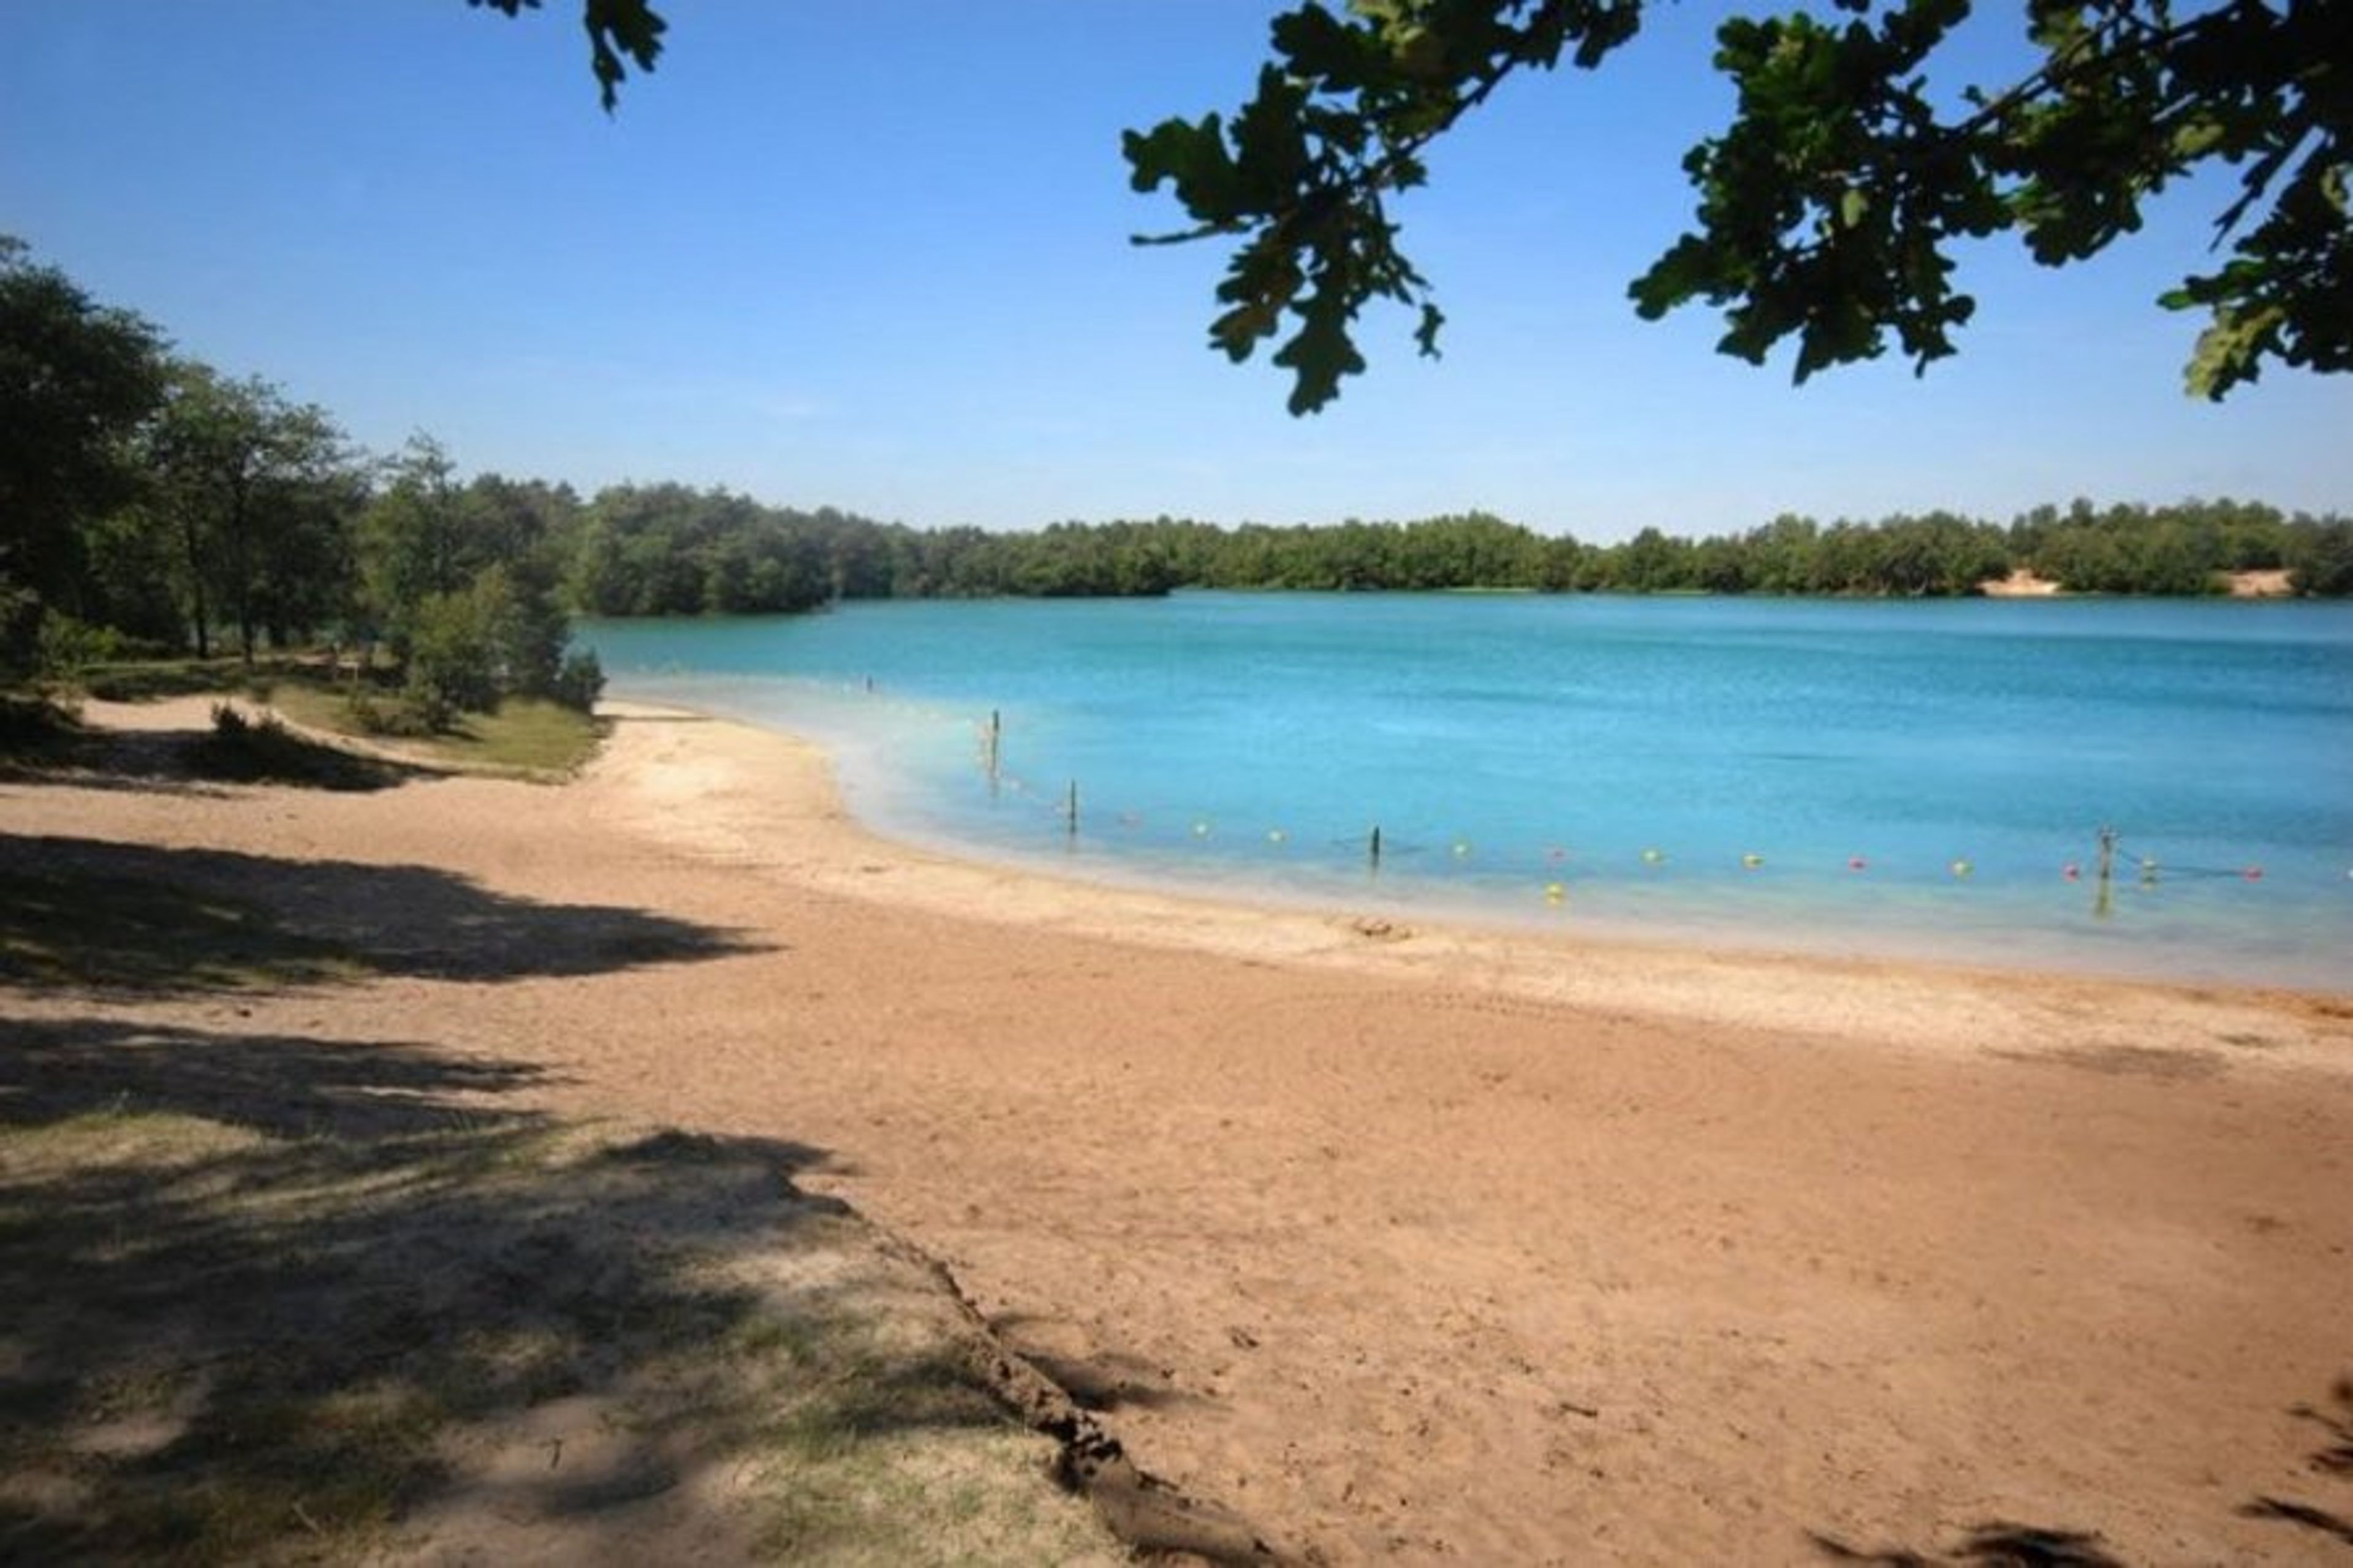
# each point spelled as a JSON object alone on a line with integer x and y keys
{"x": 1435, "y": 1244}
{"x": 2022, "y": 584}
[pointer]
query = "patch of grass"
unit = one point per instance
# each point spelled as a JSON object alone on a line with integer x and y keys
{"x": 152, "y": 679}
{"x": 501, "y": 1337}
{"x": 260, "y": 750}
{"x": 525, "y": 736}
{"x": 528, "y": 734}
{"x": 148, "y": 680}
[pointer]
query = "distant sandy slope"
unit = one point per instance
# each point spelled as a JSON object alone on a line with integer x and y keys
{"x": 1446, "y": 1245}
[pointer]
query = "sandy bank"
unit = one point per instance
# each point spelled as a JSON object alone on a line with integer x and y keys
{"x": 1437, "y": 1244}
{"x": 740, "y": 796}
{"x": 2022, "y": 584}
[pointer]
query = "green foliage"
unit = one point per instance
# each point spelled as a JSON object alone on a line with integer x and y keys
{"x": 580, "y": 681}
{"x": 1825, "y": 207}
{"x": 622, "y": 33}
{"x": 456, "y": 663}
{"x": 472, "y": 648}
{"x": 146, "y": 503}
{"x": 2178, "y": 550}
{"x": 255, "y": 748}
{"x": 1340, "y": 120}
{"x": 258, "y": 493}
{"x": 461, "y": 582}
{"x": 401, "y": 718}
{"x": 2321, "y": 559}
{"x": 411, "y": 543}
{"x": 1828, "y": 208}
{"x": 77, "y": 378}
{"x": 652, "y": 548}
{"x": 68, "y": 647}
{"x": 534, "y": 737}
{"x": 147, "y": 679}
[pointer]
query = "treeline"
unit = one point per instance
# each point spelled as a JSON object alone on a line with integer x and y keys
{"x": 149, "y": 503}
{"x": 2189, "y": 548}
{"x": 670, "y": 549}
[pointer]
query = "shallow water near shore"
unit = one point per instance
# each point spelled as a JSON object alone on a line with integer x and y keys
{"x": 1914, "y": 779}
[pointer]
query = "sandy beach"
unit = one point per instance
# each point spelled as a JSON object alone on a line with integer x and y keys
{"x": 1427, "y": 1244}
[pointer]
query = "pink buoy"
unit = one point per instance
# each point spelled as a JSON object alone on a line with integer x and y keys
{"x": 1856, "y": 862}
{"x": 2072, "y": 871}
{"x": 2252, "y": 873}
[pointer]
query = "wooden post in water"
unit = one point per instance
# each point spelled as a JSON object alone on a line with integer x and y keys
{"x": 1074, "y": 810}
{"x": 996, "y": 746}
{"x": 2103, "y": 900}
{"x": 1376, "y": 849}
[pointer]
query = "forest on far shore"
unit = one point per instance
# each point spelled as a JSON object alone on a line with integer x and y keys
{"x": 671, "y": 550}
{"x": 152, "y": 505}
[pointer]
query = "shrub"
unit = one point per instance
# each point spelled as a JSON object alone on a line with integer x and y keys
{"x": 20, "y": 619}
{"x": 66, "y": 646}
{"x": 580, "y": 680}
{"x": 248, "y": 746}
{"x": 2321, "y": 559}
{"x": 28, "y": 721}
{"x": 410, "y": 716}
{"x": 233, "y": 727}
{"x": 453, "y": 660}
{"x": 230, "y": 724}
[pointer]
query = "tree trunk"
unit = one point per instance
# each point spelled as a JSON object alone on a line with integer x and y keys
{"x": 240, "y": 564}
{"x": 196, "y": 617}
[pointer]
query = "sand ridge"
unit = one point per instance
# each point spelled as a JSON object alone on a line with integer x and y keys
{"x": 1453, "y": 1245}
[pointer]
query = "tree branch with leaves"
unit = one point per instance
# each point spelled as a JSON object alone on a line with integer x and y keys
{"x": 1829, "y": 209}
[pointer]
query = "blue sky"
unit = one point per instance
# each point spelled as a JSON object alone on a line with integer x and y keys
{"x": 875, "y": 255}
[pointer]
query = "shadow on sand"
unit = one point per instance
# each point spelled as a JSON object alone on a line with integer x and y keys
{"x": 2002, "y": 1544}
{"x": 1102, "y": 1382}
{"x": 273, "y": 1293}
{"x": 92, "y": 913}
{"x": 2334, "y": 1458}
{"x": 275, "y": 1296}
{"x": 198, "y": 763}
{"x": 1998, "y": 1543}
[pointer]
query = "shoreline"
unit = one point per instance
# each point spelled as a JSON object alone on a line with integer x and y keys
{"x": 1617, "y": 970}
{"x": 1934, "y": 899}
{"x": 1986, "y": 949}
{"x": 1401, "y": 1245}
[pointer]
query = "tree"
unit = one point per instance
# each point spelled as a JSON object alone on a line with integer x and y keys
{"x": 462, "y": 581}
{"x": 472, "y": 648}
{"x": 622, "y": 33}
{"x": 1828, "y": 207}
{"x": 77, "y": 379}
{"x": 257, "y": 491}
{"x": 412, "y": 544}
{"x": 2322, "y": 558}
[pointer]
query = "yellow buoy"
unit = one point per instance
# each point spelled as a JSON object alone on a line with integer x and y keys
{"x": 1554, "y": 893}
{"x": 1276, "y": 835}
{"x": 1962, "y": 868}
{"x": 1654, "y": 856}
{"x": 1752, "y": 860}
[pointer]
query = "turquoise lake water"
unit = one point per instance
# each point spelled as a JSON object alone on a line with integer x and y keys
{"x": 1907, "y": 778}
